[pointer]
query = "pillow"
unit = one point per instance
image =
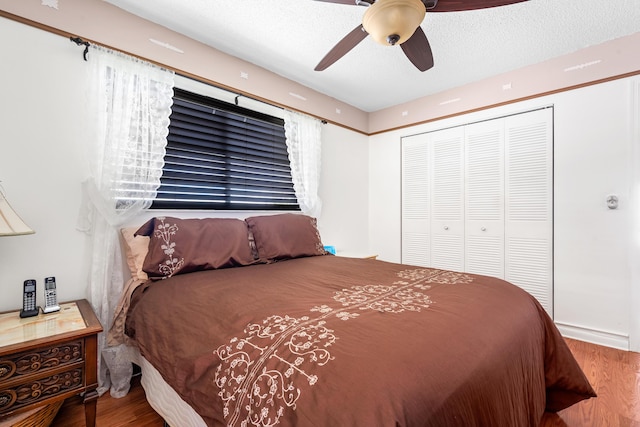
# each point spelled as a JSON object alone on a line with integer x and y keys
{"x": 285, "y": 236}
{"x": 178, "y": 246}
{"x": 135, "y": 250}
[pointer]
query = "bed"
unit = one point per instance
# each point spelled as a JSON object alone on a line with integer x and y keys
{"x": 267, "y": 329}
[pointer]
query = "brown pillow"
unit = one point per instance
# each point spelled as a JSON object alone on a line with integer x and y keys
{"x": 285, "y": 236}
{"x": 179, "y": 246}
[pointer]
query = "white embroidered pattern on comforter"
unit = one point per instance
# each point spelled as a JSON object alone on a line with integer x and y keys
{"x": 259, "y": 370}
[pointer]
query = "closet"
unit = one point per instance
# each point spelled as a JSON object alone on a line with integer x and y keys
{"x": 479, "y": 198}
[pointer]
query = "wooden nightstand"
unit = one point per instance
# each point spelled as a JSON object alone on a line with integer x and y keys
{"x": 357, "y": 255}
{"x": 47, "y": 358}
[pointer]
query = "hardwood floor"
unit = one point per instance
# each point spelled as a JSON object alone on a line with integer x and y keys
{"x": 614, "y": 374}
{"x": 131, "y": 410}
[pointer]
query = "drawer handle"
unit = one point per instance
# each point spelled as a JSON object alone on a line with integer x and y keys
{"x": 446, "y": 227}
{"x": 484, "y": 229}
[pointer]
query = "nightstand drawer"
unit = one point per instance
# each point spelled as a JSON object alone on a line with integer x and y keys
{"x": 22, "y": 394}
{"x": 39, "y": 360}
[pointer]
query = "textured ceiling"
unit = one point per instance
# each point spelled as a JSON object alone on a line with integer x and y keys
{"x": 289, "y": 37}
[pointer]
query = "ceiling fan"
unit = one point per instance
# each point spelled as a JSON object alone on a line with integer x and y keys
{"x": 392, "y": 22}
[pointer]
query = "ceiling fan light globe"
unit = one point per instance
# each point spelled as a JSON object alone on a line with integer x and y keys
{"x": 393, "y": 20}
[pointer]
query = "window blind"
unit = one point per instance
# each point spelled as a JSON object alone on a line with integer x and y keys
{"x": 222, "y": 156}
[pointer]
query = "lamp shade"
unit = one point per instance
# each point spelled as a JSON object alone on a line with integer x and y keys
{"x": 10, "y": 222}
{"x": 391, "y": 22}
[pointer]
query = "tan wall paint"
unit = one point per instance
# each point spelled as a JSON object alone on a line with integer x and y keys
{"x": 617, "y": 58}
{"x": 103, "y": 23}
{"x": 98, "y": 21}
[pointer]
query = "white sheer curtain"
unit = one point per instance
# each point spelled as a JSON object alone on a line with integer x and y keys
{"x": 303, "y": 135}
{"x": 130, "y": 101}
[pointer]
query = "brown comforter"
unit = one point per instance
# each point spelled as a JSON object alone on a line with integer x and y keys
{"x": 330, "y": 341}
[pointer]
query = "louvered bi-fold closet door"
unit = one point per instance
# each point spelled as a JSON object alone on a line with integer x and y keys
{"x": 446, "y": 157}
{"x": 529, "y": 203}
{"x": 484, "y": 198}
{"x": 432, "y": 199}
{"x": 416, "y": 200}
{"x": 479, "y": 198}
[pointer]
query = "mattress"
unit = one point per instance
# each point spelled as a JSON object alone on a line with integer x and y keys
{"x": 164, "y": 399}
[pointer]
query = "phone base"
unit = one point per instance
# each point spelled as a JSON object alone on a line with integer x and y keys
{"x": 51, "y": 308}
{"x": 30, "y": 313}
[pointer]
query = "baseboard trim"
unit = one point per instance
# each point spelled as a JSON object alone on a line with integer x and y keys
{"x": 594, "y": 336}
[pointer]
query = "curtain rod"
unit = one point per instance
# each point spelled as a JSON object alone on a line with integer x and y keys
{"x": 79, "y": 41}
{"x": 63, "y": 33}
{"x": 86, "y": 44}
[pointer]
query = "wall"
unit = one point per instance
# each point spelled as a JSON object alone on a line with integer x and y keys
{"x": 594, "y": 146}
{"x": 41, "y": 135}
{"x": 99, "y": 21}
{"x": 593, "y": 153}
{"x": 634, "y": 246}
{"x": 612, "y": 58}
{"x": 43, "y": 127}
{"x": 343, "y": 190}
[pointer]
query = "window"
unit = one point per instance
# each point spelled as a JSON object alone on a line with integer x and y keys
{"x": 222, "y": 156}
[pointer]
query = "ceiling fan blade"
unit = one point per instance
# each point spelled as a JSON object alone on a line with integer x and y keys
{"x": 418, "y": 50}
{"x": 462, "y": 5}
{"x": 345, "y": 45}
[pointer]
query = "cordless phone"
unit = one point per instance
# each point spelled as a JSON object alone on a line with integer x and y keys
{"x": 29, "y": 307}
{"x": 50, "y": 296}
